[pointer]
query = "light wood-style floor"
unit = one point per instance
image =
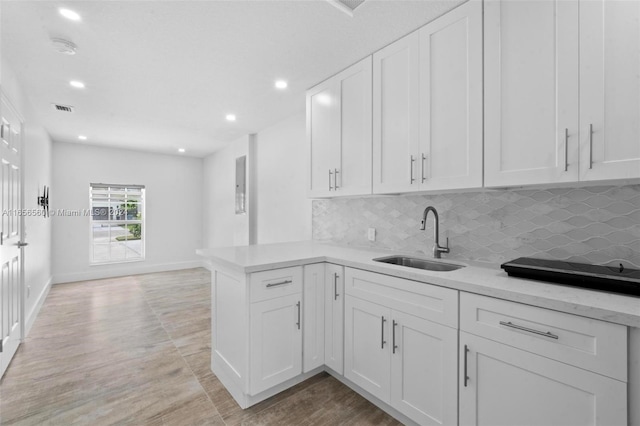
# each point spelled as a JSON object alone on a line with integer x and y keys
{"x": 135, "y": 350}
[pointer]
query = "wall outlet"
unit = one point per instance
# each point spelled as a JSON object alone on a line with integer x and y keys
{"x": 371, "y": 234}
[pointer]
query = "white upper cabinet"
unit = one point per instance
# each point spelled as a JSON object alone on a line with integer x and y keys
{"x": 339, "y": 133}
{"x": 396, "y": 103}
{"x": 427, "y": 106}
{"x": 531, "y": 92}
{"x": 609, "y": 89}
{"x": 562, "y": 91}
{"x": 451, "y": 100}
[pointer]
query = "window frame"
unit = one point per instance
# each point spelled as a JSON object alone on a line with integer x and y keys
{"x": 112, "y": 190}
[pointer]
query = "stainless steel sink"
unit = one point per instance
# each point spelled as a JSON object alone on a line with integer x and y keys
{"x": 415, "y": 262}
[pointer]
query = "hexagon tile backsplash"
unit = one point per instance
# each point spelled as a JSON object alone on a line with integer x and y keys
{"x": 598, "y": 225}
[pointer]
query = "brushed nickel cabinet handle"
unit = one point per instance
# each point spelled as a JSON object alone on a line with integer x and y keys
{"x": 335, "y": 179}
{"x": 529, "y": 330}
{"x": 466, "y": 376}
{"x": 424, "y": 158}
{"x": 393, "y": 336}
{"x": 591, "y": 146}
{"x": 335, "y": 286}
{"x": 382, "y": 328}
{"x": 411, "y": 161}
{"x": 330, "y": 173}
{"x": 566, "y": 149}
{"x": 298, "y": 323}
{"x": 279, "y": 283}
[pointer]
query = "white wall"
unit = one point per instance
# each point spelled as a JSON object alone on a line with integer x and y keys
{"x": 173, "y": 208}
{"x": 283, "y": 212}
{"x": 37, "y": 173}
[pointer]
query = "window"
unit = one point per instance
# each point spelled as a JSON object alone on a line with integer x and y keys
{"x": 117, "y": 223}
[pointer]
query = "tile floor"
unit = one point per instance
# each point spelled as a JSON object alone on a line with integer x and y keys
{"x": 135, "y": 351}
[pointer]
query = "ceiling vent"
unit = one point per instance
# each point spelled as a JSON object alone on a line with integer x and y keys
{"x": 347, "y": 6}
{"x": 63, "y": 46}
{"x": 62, "y": 108}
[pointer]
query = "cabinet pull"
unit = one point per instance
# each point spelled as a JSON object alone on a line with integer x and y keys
{"x": 393, "y": 336}
{"x": 382, "y": 328}
{"x": 335, "y": 179}
{"x": 591, "y": 146}
{"x": 530, "y": 330}
{"x": 466, "y": 376}
{"x": 330, "y": 173}
{"x": 335, "y": 286}
{"x": 424, "y": 158}
{"x": 566, "y": 149}
{"x": 412, "y": 160}
{"x": 298, "y": 323}
{"x": 279, "y": 283}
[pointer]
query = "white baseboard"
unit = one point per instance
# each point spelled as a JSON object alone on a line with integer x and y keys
{"x": 30, "y": 318}
{"x": 98, "y": 272}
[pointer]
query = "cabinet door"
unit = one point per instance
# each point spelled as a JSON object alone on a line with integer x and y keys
{"x": 354, "y": 145}
{"x": 276, "y": 342}
{"x": 313, "y": 336}
{"x": 366, "y": 353}
{"x": 451, "y": 100}
{"x": 531, "y": 92}
{"x": 508, "y": 386}
{"x": 396, "y": 101}
{"x": 424, "y": 370}
{"x": 323, "y": 115}
{"x": 609, "y": 89}
{"x": 334, "y": 318}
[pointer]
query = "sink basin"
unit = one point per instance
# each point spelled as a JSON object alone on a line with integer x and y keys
{"x": 415, "y": 262}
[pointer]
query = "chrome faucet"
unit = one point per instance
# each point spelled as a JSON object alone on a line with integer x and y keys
{"x": 437, "y": 250}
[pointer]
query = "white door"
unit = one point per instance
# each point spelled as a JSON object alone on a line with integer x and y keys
{"x": 367, "y": 341}
{"x": 276, "y": 341}
{"x": 396, "y": 103}
{"x": 531, "y": 92}
{"x": 10, "y": 235}
{"x": 508, "y": 386}
{"x": 451, "y": 100}
{"x": 313, "y": 308}
{"x": 323, "y": 115}
{"x": 609, "y": 89}
{"x": 334, "y": 318}
{"x": 424, "y": 370}
{"x": 354, "y": 157}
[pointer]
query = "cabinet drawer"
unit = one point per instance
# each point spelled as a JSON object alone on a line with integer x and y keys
{"x": 437, "y": 304}
{"x": 275, "y": 283}
{"x": 587, "y": 343}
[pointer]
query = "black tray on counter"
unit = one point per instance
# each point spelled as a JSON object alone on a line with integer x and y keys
{"x": 606, "y": 278}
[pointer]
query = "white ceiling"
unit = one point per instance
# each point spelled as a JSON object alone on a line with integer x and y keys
{"x": 161, "y": 75}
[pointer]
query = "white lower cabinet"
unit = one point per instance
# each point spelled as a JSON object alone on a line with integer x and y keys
{"x": 521, "y": 364}
{"x": 334, "y": 317}
{"x": 423, "y": 370}
{"x": 367, "y": 360}
{"x": 502, "y": 385}
{"x": 405, "y": 361}
{"x": 276, "y": 342}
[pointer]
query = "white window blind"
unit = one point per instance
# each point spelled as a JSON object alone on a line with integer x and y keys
{"x": 117, "y": 223}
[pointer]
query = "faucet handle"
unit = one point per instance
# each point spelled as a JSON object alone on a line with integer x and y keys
{"x": 447, "y": 246}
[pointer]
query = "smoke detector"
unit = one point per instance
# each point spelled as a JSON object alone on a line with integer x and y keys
{"x": 347, "y": 6}
{"x": 63, "y": 46}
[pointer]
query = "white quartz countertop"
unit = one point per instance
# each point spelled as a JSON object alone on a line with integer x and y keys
{"x": 488, "y": 281}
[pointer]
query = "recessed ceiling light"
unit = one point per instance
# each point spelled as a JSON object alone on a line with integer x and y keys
{"x": 82, "y": 137}
{"x": 231, "y": 117}
{"x": 69, "y": 14}
{"x": 281, "y": 84}
{"x": 77, "y": 84}
{"x": 181, "y": 150}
